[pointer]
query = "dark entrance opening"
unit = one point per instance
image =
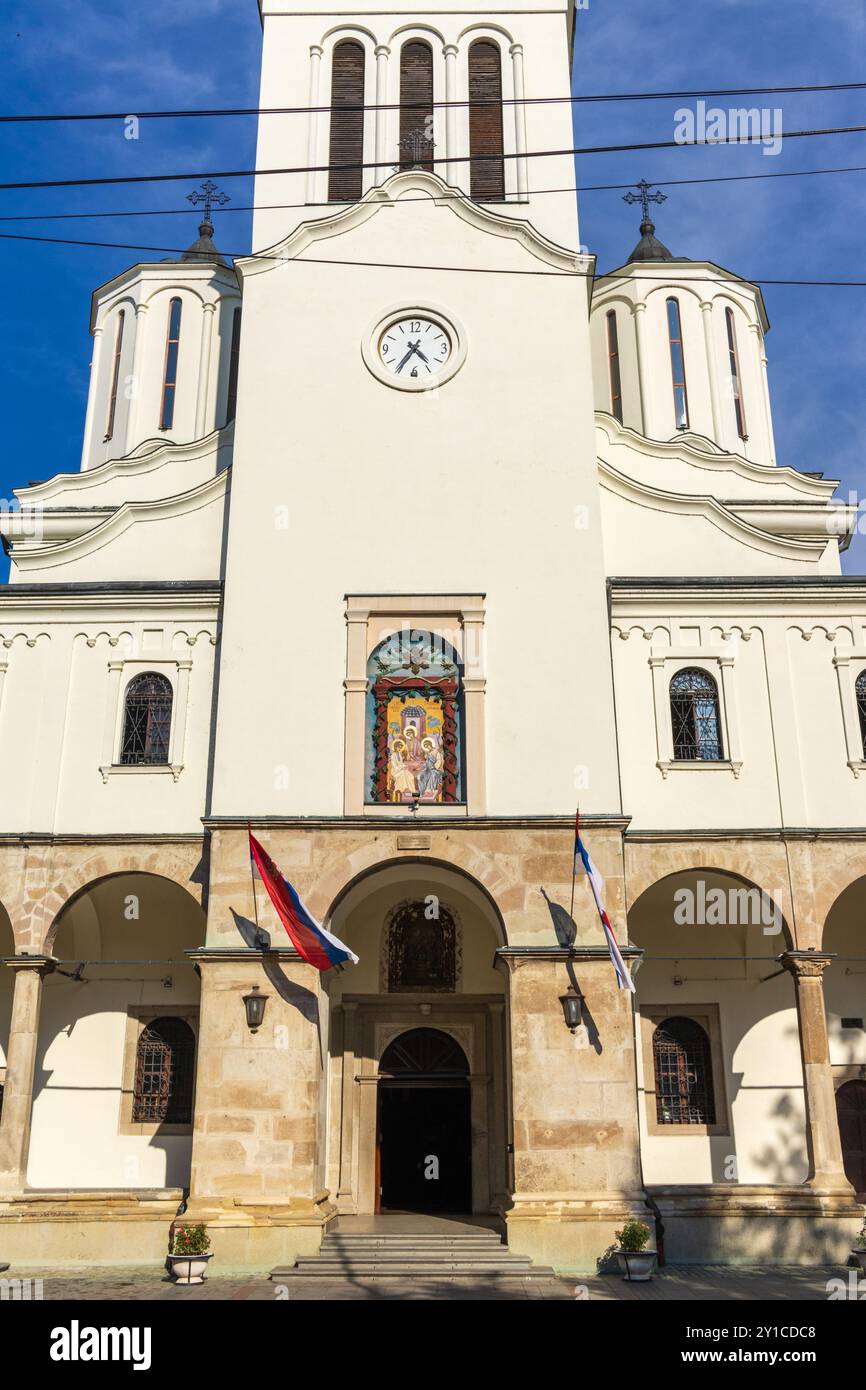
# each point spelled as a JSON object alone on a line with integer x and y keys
{"x": 851, "y": 1109}
{"x": 425, "y": 1141}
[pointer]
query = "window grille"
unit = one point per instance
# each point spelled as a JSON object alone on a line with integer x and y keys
{"x": 147, "y": 720}
{"x": 695, "y": 717}
{"x": 164, "y": 1070}
{"x": 683, "y": 1074}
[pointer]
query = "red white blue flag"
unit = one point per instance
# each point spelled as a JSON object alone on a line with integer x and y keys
{"x": 583, "y": 865}
{"x": 316, "y": 945}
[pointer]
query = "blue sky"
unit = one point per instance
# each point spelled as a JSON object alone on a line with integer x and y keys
{"x": 99, "y": 56}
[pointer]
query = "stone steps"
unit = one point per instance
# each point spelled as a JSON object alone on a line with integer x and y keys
{"x": 425, "y": 1255}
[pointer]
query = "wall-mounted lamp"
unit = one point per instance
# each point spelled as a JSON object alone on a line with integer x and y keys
{"x": 254, "y": 1003}
{"x": 572, "y": 1007}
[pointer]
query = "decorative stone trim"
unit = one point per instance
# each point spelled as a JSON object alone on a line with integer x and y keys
{"x": 664, "y": 662}
{"x": 120, "y": 673}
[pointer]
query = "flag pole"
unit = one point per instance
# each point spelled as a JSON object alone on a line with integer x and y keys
{"x": 574, "y": 851}
{"x": 253, "y": 876}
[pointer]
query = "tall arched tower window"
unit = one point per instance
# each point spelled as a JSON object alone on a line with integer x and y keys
{"x": 234, "y": 359}
{"x": 860, "y": 691}
{"x": 678, "y": 365}
{"x": 416, "y": 105}
{"x": 613, "y": 366}
{"x": 146, "y": 720}
{"x": 415, "y": 749}
{"x": 683, "y": 1073}
{"x": 487, "y": 174}
{"x": 695, "y": 717}
{"x": 734, "y": 364}
{"x": 345, "y": 184}
{"x": 169, "y": 376}
{"x": 115, "y": 375}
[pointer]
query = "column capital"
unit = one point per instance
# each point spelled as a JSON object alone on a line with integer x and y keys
{"x": 316, "y": 50}
{"x": 516, "y": 50}
{"x": 381, "y": 51}
{"x": 806, "y": 964}
{"x": 43, "y": 964}
{"x": 450, "y": 50}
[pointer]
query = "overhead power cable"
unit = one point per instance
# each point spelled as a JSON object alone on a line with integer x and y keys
{"x": 532, "y": 193}
{"x": 799, "y": 89}
{"x": 449, "y": 269}
{"x": 429, "y": 163}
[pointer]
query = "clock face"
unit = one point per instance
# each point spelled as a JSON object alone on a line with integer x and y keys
{"x": 414, "y": 349}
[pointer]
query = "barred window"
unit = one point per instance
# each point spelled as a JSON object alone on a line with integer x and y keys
{"x": 678, "y": 366}
{"x": 860, "y": 689}
{"x": 683, "y": 1074}
{"x": 146, "y": 720}
{"x": 695, "y": 717}
{"x": 164, "y": 1070}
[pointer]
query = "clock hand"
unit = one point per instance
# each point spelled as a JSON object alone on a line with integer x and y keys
{"x": 405, "y": 359}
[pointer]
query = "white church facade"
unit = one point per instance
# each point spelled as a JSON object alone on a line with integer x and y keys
{"x": 395, "y": 540}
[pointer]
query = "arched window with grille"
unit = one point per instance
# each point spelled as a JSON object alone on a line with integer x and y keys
{"x": 487, "y": 169}
{"x": 613, "y": 367}
{"x": 164, "y": 1073}
{"x": 169, "y": 376}
{"x": 146, "y": 720}
{"x": 695, "y": 718}
{"x": 734, "y": 366}
{"x": 682, "y": 1062}
{"x": 416, "y": 105}
{"x": 860, "y": 691}
{"x": 678, "y": 365}
{"x": 346, "y": 151}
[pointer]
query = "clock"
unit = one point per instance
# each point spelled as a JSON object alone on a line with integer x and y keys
{"x": 414, "y": 347}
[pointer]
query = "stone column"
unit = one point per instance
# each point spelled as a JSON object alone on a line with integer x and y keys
{"x": 313, "y": 128}
{"x": 516, "y": 51}
{"x": 643, "y": 381}
{"x": 382, "y": 54}
{"x": 348, "y": 1088}
{"x": 450, "y": 52}
{"x": 207, "y": 323}
{"x": 577, "y": 1172}
{"x": 91, "y": 397}
{"x": 823, "y": 1143}
{"x": 132, "y": 414}
{"x": 707, "y": 312}
{"x": 20, "y": 1069}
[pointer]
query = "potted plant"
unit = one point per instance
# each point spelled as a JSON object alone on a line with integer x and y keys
{"x": 859, "y": 1251}
{"x": 188, "y": 1256}
{"x": 635, "y": 1261}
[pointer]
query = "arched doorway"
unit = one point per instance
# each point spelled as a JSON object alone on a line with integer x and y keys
{"x": 851, "y": 1109}
{"x": 424, "y": 1130}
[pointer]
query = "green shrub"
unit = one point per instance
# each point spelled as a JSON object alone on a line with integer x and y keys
{"x": 190, "y": 1240}
{"x": 633, "y": 1236}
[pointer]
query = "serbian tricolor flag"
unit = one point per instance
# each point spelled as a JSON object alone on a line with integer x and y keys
{"x": 309, "y": 939}
{"x": 583, "y": 865}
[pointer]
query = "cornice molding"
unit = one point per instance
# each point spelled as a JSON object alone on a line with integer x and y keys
{"x": 707, "y": 507}
{"x": 707, "y": 454}
{"x": 388, "y": 195}
{"x": 127, "y": 515}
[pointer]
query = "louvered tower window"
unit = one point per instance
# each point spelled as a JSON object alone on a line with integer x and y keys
{"x": 683, "y": 1074}
{"x": 695, "y": 717}
{"x": 164, "y": 1071}
{"x": 234, "y": 359}
{"x": 346, "y": 153}
{"x": 487, "y": 169}
{"x": 416, "y": 105}
{"x": 146, "y": 721}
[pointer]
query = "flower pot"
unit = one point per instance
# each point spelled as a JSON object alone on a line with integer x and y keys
{"x": 188, "y": 1269}
{"x": 859, "y": 1253}
{"x": 638, "y": 1265}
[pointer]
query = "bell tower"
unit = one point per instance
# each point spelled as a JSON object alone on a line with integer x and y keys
{"x": 466, "y": 94}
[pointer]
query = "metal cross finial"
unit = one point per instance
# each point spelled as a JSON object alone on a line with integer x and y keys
{"x": 644, "y": 197}
{"x": 210, "y": 195}
{"x": 418, "y": 146}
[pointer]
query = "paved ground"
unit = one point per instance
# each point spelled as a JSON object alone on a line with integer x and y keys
{"x": 683, "y": 1283}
